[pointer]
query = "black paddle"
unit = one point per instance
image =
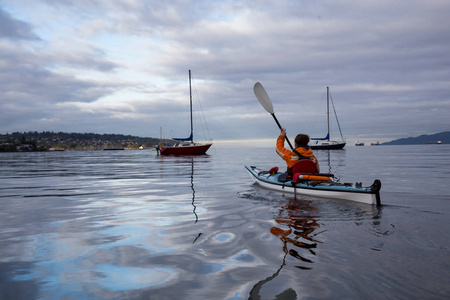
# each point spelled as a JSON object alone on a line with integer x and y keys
{"x": 264, "y": 99}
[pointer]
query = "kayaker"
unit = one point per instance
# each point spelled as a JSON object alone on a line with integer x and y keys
{"x": 302, "y": 151}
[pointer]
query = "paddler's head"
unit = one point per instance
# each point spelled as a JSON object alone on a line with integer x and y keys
{"x": 301, "y": 140}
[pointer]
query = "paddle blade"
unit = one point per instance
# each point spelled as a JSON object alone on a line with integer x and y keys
{"x": 263, "y": 98}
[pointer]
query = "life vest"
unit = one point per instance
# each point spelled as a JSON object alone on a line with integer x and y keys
{"x": 291, "y": 157}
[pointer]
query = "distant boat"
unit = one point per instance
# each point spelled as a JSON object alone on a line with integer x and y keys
{"x": 375, "y": 144}
{"x": 434, "y": 143}
{"x": 358, "y": 143}
{"x": 325, "y": 143}
{"x": 186, "y": 145}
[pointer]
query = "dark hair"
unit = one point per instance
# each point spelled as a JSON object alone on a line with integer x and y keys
{"x": 302, "y": 139}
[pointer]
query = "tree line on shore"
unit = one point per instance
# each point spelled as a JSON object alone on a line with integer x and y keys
{"x": 48, "y": 140}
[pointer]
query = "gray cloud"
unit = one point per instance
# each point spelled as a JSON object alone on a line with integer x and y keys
{"x": 12, "y": 28}
{"x": 106, "y": 66}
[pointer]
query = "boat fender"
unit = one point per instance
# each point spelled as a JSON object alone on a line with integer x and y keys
{"x": 299, "y": 177}
{"x": 273, "y": 171}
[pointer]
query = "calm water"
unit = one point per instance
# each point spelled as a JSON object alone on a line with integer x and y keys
{"x": 133, "y": 225}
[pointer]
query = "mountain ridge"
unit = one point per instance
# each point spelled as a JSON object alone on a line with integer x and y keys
{"x": 443, "y": 137}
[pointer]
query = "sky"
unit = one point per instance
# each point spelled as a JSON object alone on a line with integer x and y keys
{"x": 121, "y": 66}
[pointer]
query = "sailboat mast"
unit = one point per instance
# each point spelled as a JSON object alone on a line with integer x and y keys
{"x": 328, "y": 111}
{"x": 190, "y": 103}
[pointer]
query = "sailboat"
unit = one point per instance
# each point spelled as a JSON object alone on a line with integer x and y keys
{"x": 187, "y": 145}
{"x": 325, "y": 143}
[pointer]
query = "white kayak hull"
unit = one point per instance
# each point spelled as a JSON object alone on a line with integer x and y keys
{"x": 367, "y": 195}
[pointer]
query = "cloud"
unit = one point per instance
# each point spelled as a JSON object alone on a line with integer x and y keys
{"x": 14, "y": 29}
{"x": 106, "y": 66}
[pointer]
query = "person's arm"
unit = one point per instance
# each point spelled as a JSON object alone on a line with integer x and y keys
{"x": 281, "y": 151}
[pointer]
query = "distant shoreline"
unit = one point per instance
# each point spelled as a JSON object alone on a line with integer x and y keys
{"x": 438, "y": 138}
{"x": 61, "y": 141}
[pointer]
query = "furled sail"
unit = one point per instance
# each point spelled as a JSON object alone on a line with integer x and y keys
{"x": 185, "y": 139}
{"x": 325, "y": 138}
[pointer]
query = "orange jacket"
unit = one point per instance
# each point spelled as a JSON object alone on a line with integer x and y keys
{"x": 290, "y": 157}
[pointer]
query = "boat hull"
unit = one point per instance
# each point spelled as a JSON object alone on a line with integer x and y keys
{"x": 334, "y": 146}
{"x": 367, "y": 195}
{"x": 196, "y": 149}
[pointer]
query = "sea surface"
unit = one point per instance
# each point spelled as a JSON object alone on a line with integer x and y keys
{"x": 135, "y": 225}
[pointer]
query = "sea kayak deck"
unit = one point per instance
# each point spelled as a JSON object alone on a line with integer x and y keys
{"x": 333, "y": 190}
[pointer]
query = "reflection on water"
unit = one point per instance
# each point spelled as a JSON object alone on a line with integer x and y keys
{"x": 193, "y": 191}
{"x": 296, "y": 229}
{"x": 329, "y": 160}
{"x": 86, "y": 223}
{"x": 335, "y": 161}
{"x": 193, "y": 198}
{"x": 131, "y": 225}
{"x": 184, "y": 165}
{"x": 299, "y": 222}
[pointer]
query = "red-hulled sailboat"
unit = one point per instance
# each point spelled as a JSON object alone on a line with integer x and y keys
{"x": 186, "y": 145}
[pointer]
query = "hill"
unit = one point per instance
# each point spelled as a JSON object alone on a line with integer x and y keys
{"x": 42, "y": 141}
{"x": 444, "y": 137}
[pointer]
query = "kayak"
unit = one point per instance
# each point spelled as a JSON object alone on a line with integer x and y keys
{"x": 330, "y": 189}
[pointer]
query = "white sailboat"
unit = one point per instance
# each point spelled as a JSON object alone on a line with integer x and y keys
{"x": 326, "y": 143}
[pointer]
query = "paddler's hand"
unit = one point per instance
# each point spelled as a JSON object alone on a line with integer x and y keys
{"x": 283, "y": 132}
